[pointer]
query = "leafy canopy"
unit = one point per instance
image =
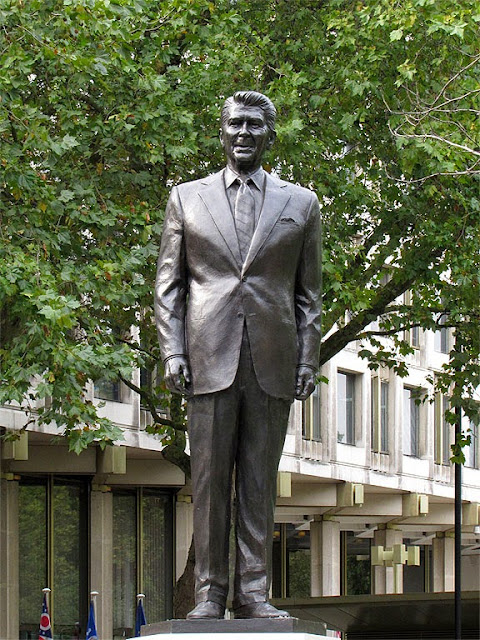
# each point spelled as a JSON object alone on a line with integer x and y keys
{"x": 106, "y": 104}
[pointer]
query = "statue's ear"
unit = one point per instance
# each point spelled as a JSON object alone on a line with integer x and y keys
{"x": 220, "y": 135}
{"x": 271, "y": 139}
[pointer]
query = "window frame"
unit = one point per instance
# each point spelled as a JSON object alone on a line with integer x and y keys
{"x": 311, "y": 417}
{"x": 442, "y": 430}
{"x": 380, "y": 390}
{"x": 349, "y": 408}
{"x": 414, "y": 451}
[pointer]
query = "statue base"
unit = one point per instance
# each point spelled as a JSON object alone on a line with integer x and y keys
{"x": 291, "y": 628}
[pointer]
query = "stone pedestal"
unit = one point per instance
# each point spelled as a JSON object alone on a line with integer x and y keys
{"x": 257, "y": 629}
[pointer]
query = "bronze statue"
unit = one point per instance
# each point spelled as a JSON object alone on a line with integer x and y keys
{"x": 238, "y": 318}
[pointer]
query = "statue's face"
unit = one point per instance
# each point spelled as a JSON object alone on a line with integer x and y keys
{"x": 245, "y": 137}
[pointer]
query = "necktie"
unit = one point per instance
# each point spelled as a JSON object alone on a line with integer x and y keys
{"x": 244, "y": 217}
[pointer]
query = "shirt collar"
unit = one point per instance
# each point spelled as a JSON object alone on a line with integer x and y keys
{"x": 257, "y": 177}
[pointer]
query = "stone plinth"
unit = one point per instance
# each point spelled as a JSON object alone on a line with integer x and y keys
{"x": 257, "y": 629}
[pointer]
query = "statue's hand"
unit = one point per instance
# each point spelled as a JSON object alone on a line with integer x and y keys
{"x": 305, "y": 382}
{"x": 177, "y": 375}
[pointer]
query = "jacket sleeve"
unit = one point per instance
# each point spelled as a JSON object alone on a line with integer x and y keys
{"x": 171, "y": 282}
{"x": 308, "y": 290}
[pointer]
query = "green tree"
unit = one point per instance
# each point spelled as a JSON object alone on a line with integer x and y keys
{"x": 105, "y": 105}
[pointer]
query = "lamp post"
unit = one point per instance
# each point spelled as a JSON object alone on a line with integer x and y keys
{"x": 458, "y": 496}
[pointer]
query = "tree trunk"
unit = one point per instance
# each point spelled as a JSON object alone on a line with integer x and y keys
{"x": 184, "y": 592}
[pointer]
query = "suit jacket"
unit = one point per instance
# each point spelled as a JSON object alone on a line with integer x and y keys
{"x": 205, "y": 296}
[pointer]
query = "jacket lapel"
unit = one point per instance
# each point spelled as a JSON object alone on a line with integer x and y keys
{"x": 215, "y": 199}
{"x": 275, "y": 201}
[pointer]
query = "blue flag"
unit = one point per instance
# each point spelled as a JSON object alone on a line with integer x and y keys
{"x": 45, "y": 630}
{"x": 91, "y": 628}
{"x": 140, "y": 617}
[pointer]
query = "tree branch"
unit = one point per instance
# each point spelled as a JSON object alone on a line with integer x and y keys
{"x": 150, "y": 400}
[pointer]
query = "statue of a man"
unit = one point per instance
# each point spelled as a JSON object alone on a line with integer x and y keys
{"x": 238, "y": 318}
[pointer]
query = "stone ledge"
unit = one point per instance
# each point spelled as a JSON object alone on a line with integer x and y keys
{"x": 251, "y": 626}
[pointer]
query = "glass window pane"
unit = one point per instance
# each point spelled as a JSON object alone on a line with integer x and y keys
{"x": 32, "y": 542}
{"x": 411, "y": 422}
{"x": 358, "y": 564}
{"x": 157, "y": 555}
{"x": 277, "y": 562}
{"x": 345, "y": 408}
{"x": 446, "y": 429}
{"x": 414, "y": 577}
{"x": 341, "y": 407}
{"x": 373, "y": 414}
{"x": 415, "y": 336}
{"x": 298, "y": 562}
{"x": 124, "y": 563}
{"x": 471, "y": 452}
{"x": 413, "y": 426}
{"x": 69, "y": 555}
{"x": 107, "y": 390}
{"x": 350, "y": 409}
{"x": 384, "y": 416}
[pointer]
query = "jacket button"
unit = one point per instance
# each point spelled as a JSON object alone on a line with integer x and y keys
{"x": 239, "y": 314}
{"x": 244, "y": 278}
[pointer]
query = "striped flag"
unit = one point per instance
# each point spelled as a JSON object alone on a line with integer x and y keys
{"x": 45, "y": 630}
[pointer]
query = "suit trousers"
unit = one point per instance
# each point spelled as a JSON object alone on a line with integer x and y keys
{"x": 241, "y": 428}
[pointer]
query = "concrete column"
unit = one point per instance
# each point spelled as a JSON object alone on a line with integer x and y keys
{"x": 184, "y": 532}
{"x": 9, "y": 590}
{"x": 443, "y": 558}
{"x": 325, "y": 558}
{"x": 101, "y": 560}
{"x": 387, "y": 579}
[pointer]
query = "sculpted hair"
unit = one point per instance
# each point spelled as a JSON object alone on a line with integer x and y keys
{"x": 251, "y": 99}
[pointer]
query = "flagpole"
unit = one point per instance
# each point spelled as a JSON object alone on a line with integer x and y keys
{"x": 46, "y": 591}
{"x": 93, "y": 598}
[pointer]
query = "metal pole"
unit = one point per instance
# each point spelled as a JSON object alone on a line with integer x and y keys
{"x": 458, "y": 531}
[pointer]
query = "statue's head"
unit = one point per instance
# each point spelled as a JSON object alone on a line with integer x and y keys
{"x": 251, "y": 99}
{"x": 247, "y": 129}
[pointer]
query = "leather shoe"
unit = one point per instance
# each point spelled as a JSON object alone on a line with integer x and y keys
{"x": 259, "y": 610}
{"x": 207, "y": 610}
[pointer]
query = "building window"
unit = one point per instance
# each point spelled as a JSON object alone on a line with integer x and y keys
{"x": 411, "y": 421}
{"x": 311, "y": 416}
{"x": 441, "y": 336}
{"x": 443, "y": 430}
{"x": 418, "y": 579}
{"x": 53, "y": 552}
{"x": 107, "y": 390}
{"x": 346, "y": 408}
{"x": 355, "y": 564}
{"x": 471, "y": 452}
{"x": 412, "y": 335}
{"x": 379, "y": 415}
{"x": 142, "y": 556}
{"x": 415, "y": 337}
{"x": 291, "y": 561}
